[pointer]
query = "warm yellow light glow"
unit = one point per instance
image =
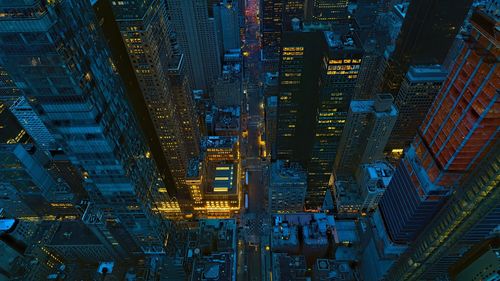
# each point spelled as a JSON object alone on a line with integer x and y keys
{"x": 222, "y": 168}
{"x": 61, "y": 204}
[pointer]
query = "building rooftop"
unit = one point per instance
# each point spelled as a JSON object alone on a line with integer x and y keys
{"x": 218, "y": 141}
{"x": 224, "y": 178}
{"x": 366, "y": 106}
{"x": 287, "y": 267}
{"x": 315, "y": 228}
{"x": 227, "y": 118}
{"x": 342, "y": 38}
{"x": 272, "y": 78}
{"x": 217, "y": 235}
{"x": 316, "y": 26}
{"x": 71, "y": 233}
{"x": 217, "y": 267}
{"x": 285, "y": 172}
{"x": 284, "y": 235}
{"x": 426, "y": 73}
{"x": 380, "y": 171}
{"x": 347, "y": 193}
{"x": 327, "y": 269}
{"x": 346, "y": 231}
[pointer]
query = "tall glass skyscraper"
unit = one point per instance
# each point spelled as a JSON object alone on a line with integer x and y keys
{"x": 426, "y": 21}
{"x": 58, "y": 58}
{"x": 471, "y": 215}
{"x": 160, "y": 70}
{"x": 341, "y": 61}
{"x": 196, "y": 34}
{"x": 458, "y": 132}
{"x": 418, "y": 90}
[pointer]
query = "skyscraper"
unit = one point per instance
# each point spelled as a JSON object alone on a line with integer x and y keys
{"x": 457, "y": 133}
{"x": 341, "y": 62}
{"x": 196, "y": 34}
{"x": 65, "y": 72}
{"x": 480, "y": 263}
{"x": 326, "y": 10}
{"x": 318, "y": 72}
{"x": 368, "y": 72}
{"x": 415, "y": 97}
{"x": 276, "y": 17}
{"x": 299, "y": 74}
{"x": 159, "y": 69}
{"x": 424, "y": 21}
{"x": 367, "y": 17}
{"x": 367, "y": 129}
{"x": 227, "y": 22}
{"x": 471, "y": 215}
{"x": 271, "y": 15}
{"x": 292, "y": 9}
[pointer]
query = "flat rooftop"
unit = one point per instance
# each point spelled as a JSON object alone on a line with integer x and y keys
{"x": 217, "y": 267}
{"x": 426, "y": 73}
{"x": 289, "y": 267}
{"x": 282, "y": 172}
{"x": 217, "y": 235}
{"x": 367, "y": 106}
{"x": 343, "y": 38}
{"x": 221, "y": 178}
{"x": 73, "y": 233}
{"x": 218, "y": 142}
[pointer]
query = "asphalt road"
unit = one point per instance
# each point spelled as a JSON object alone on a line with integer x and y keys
{"x": 254, "y": 219}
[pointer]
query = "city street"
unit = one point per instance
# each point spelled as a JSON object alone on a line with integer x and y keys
{"x": 254, "y": 219}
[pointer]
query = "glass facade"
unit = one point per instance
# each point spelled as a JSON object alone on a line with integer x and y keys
{"x": 459, "y": 130}
{"x": 424, "y": 22}
{"x": 327, "y": 10}
{"x": 470, "y": 216}
{"x": 339, "y": 72}
{"x": 59, "y": 59}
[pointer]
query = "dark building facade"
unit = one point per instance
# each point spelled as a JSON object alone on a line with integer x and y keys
{"x": 427, "y": 21}
{"x": 276, "y": 17}
{"x": 340, "y": 67}
{"x": 326, "y": 10}
{"x": 417, "y": 92}
{"x": 318, "y": 73}
{"x": 298, "y": 94}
